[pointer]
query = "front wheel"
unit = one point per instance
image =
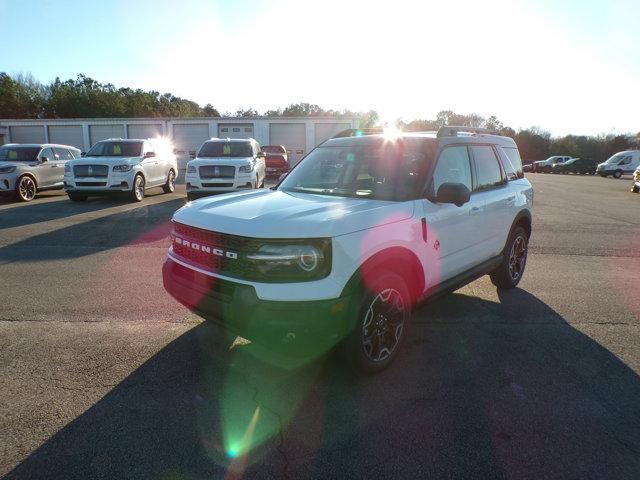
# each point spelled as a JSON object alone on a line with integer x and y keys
{"x": 381, "y": 324}
{"x": 26, "y": 190}
{"x": 617, "y": 174}
{"x": 137, "y": 192}
{"x": 510, "y": 271}
{"x": 170, "y": 186}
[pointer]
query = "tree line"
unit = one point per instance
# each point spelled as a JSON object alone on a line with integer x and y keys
{"x": 22, "y": 96}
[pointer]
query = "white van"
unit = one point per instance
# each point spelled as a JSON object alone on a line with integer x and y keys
{"x": 622, "y": 162}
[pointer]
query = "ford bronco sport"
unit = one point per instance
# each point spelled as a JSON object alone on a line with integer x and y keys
{"x": 357, "y": 234}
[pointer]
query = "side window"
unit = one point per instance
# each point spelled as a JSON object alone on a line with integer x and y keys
{"x": 512, "y": 163}
{"x": 63, "y": 154}
{"x": 47, "y": 152}
{"x": 625, "y": 161}
{"x": 453, "y": 167}
{"x": 487, "y": 167}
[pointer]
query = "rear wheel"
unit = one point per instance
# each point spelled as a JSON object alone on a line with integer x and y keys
{"x": 137, "y": 192}
{"x": 76, "y": 197}
{"x": 617, "y": 174}
{"x": 510, "y": 271}
{"x": 381, "y": 324}
{"x": 26, "y": 189}
{"x": 170, "y": 186}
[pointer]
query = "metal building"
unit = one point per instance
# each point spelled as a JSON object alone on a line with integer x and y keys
{"x": 298, "y": 134}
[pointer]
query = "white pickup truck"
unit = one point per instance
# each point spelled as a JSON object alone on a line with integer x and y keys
{"x": 546, "y": 166}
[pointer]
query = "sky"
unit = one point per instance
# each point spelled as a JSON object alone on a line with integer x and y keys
{"x": 567, "y": 66}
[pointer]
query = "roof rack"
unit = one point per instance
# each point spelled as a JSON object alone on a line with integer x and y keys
{"x": 358, "y": 132}
{"x": 453, "y": 131}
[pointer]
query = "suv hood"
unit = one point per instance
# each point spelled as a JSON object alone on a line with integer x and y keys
{"x": 105, "y": 160}
{"x": 236, "y": 161}
{"x": 277, "y": 214}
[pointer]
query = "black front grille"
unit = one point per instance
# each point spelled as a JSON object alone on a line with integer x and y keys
{"x": 217, "y": 171}
{"x": 92, "y": 171}
{"x": 215, "y": 252}
{"x": 221, "y": 185}
{"x": 91, "y": 184}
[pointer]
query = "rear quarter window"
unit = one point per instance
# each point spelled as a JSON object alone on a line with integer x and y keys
{"x": 512, "y": 162}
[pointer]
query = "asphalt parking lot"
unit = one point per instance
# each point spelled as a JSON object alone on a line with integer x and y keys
{"x": 103, "y": 375}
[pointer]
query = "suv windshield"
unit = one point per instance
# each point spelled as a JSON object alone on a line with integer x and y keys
{"x": 381, "y": 170}
{"x": 116, "y": 149}
{"x": 19, "y": 154}
{"x": 226, "y": 149}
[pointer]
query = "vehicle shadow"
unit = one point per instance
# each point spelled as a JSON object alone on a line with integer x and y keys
{"x": 147, "y": 223}
{"x": 482, "y": 390}
{"x": 23, "y": 214}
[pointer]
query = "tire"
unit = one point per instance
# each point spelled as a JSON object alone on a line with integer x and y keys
{"x": 510, "y": 271}
{"x": 376, "y": 339}
{"x": 26, "y": 188}
{"x": 617, "y": 174}
{"x": 137, "y": 191}
{"x": 170, "y": 186}
{"x": 76, "y": 197}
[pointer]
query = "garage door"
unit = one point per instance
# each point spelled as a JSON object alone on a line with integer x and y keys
{"x": 24, "y": 134}
{"x": 235, "y": 130}
{"x": 66, "y": 135}
{"x": 325, "y": 131}
{"x": 144, "y": 130}
{"x": 101, "y": 132}
{"x": 294, "y": 138}
{"x": 188, "y": 137}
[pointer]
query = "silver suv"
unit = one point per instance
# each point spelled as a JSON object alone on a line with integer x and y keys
{"x": 26, "y": 169}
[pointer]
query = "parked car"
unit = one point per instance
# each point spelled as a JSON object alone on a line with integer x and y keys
{"x": 619, "y": 164}
{"x": 116, "y": 165}
{"x": 546, "y": 166}
{"x": 635, "y": 185}
{"x": 527, "y": 167}
{"x": 225, "y": 165}
{"x": 26, "y": 169}
{"x": 576, "y": 165}
{"x": 276, "y": 159}
{"x": 363, "y": 229}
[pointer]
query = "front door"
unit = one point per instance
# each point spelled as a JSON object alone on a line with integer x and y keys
{"x": 454, "y": 237}
{"x": 47, "y": 168}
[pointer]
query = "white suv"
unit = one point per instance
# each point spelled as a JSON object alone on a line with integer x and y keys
{"x": 117, "y": 165}
{"x": 359, "y": 232}
{"x": 225, "y": 165}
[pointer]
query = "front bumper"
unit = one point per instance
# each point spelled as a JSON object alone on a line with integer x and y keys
{"x": 114, "y": 182}
{"x": 8, "y": 182}
{"x": 196, "y": 184}
{"x": 300, "y": 329}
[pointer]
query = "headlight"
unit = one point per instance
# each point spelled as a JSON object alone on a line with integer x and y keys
{"x": 246, "y": 168}
{"x": 289, "y": 261}
{"x": 191, "y": 169}
{"x": 121, "y": 168}
{"x": 67, "y": 168}
{"x": 10, "y": 169}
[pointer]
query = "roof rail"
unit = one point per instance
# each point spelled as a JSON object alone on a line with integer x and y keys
{"x": 358, "y": 132}
{"x": 453, "y": 131}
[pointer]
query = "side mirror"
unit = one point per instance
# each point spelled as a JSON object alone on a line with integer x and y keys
{"x": 456, "y": 193}
{"x": 149, "y": 154}
{"x": 44, "y": 159}
{"x": 83, "y": 154}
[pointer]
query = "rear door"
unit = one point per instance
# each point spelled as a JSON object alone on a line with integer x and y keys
{"x": 492, "y": 189}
